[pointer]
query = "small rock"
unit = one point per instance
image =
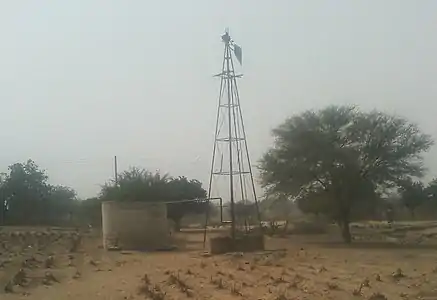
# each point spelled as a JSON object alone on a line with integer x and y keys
{"x": 77, "y": 275}
{"x": 49, "y": 278}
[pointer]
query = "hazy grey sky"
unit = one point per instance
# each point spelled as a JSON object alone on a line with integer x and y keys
{"x": 82, "y": 81}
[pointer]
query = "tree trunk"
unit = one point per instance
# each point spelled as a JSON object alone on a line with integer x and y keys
{"x": 343, "y": 223}
{"x": 177, "y": 225}
{"x": 346, "y": 233}
{"x": 413, "y": 215}
{"x": 286, "y": 227}
{"x": 2, "y": 214}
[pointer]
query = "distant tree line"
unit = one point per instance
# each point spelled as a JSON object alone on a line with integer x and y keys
{"x": 27, "y": 198}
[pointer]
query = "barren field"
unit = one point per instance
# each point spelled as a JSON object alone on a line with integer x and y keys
{"x": 398, "y": 263}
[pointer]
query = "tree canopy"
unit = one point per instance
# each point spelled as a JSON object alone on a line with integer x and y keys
{"x": 413, "y": 194}
{"x": 431, "y": 190}
{"x": 337, "y": 160}
{"x": 28, "y": 198}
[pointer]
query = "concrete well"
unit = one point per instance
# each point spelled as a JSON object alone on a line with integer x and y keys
{"x": 135, "y": 225}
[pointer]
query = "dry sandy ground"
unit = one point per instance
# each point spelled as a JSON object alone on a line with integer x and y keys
{"x": 298, "y": 267}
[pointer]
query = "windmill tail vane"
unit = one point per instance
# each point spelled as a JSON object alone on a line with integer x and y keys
{"x": 238, "y": 51}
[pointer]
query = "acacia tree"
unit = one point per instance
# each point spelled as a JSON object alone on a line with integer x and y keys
{"x": 413, "y": 194}
{"x": 278, "y": 207}
{"x": 28, "y": 198}
{"x": 431, "y": 190}
{"x": 24, "y": 190}
{"x": 336, "y": 160}
{"x": 61, "y": 202}
{"x": 181, "y": 189}
{"x": 89, "y": 211}
{"x": 136, "y": 184}
{"x": 2, "y": 199}
{"x": 245, "y": 212}
{"x": 140, "y": 185}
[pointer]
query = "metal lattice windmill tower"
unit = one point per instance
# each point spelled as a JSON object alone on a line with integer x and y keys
{"x": 230, "y": 159}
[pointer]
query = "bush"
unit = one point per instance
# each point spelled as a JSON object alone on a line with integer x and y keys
{"x": 309, "y": 227}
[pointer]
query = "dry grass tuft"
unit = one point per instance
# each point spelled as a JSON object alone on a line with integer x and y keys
{"x": 153, "y": 292}
{"x": 235, "y": 290}
{"x": 332, "y": 286}
{"x": 218, "y": 282}
{"x": 398, "y": 274}
{"x": 181, "y": 284}
{"x": 378, "y": 296}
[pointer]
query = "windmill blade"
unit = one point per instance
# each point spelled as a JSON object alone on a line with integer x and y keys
{"x": 238, "y": 53}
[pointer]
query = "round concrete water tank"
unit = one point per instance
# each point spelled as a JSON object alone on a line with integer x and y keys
{"x": 135, "y": 225}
